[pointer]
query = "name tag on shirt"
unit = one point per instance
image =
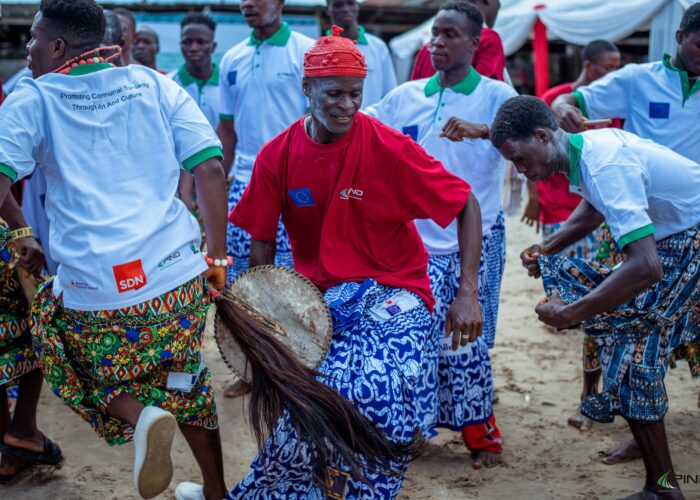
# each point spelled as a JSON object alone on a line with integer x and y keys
{"x": 232, "y": 77}
{"x": 659, "y": 110}
{"x": 302, "y": 197}
{"x": 183, "y": 382}
{"x": 393, "y": 306}
{"x": 411, "y": 130}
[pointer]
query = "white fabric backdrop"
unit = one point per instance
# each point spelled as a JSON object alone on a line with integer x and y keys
{"x": 574, "y": 21}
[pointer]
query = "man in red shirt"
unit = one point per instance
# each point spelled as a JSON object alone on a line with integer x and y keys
{"x": 489, "y": 60}
{"x": 550, "y": 204}
{"x": 348, "y": 189}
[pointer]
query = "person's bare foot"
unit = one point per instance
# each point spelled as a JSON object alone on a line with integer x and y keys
{"x": 10, "y": 466}
{"x": 580, "y": 421}
{"x": 32, "y": 443}
{"x": 621, "y": 453}
{"x": 646, "y": 494}
{"x": 236, "y": 389}
{"x": 486, "y": 459}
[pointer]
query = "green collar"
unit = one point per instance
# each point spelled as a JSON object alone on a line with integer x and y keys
{"x": 187, "y": 79}
{"x": 575, "y": 149}
{"x": 687, "y": 89}
{"x": 279, "y": 39}
{"x": 84, "y": 69}
{"x": 465, "y": 87}
{"x": 361, "y": 35}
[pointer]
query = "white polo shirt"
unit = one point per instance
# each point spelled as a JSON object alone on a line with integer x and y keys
{"x": 381, "y": 77}
{"x": 640, "y": 187}
{"x": 421, "y": 108}
{"x": 111, "y": 142}
{"x": 261, "y": 91}
{"x": 655, "y": 100}
{"x": 206, "y": 94}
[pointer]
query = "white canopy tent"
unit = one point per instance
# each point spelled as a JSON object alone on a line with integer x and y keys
{"x": 574, "y": 21}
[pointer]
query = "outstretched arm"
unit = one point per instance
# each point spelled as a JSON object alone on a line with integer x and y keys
{"x": 227, "y": 136}
{"x": 210, "y": 183}
{"x": 464, "y": 318}
{"x": 640, "y": 270}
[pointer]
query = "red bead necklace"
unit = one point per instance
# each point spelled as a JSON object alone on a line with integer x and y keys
{"x": 90, "y": 57}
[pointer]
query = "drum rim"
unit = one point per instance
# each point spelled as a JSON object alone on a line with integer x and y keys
{"x": 267, "y": 267}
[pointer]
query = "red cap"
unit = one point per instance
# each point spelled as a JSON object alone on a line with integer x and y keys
{"x": 334, "y": 56}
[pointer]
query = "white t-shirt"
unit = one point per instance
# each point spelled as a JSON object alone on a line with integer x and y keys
{"x": 654, "y": 99}
{"x": 421, "y": 108}
{"x": 206, "y": 94}
{"x": 261, "y": 91}
{"x": 640, "y": 187}
{"x": 381, "y": 77}
{"x": 111, "y": 142}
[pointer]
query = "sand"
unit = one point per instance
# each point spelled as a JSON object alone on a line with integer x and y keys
{"x": 538, "y": 379}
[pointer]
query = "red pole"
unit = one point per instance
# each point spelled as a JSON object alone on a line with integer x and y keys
{"x": 540, "y": 49}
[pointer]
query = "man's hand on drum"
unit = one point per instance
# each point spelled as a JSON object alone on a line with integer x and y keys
{"x": 464, "y": 319}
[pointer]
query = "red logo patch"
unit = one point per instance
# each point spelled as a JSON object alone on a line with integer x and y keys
{"x": 129, "y": 276}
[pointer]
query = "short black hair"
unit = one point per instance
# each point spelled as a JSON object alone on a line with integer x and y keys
{"x": 198, "y": 18}
{"x": 597, "y": 48}
{"x": 121, "y": 11}
{"x": 113, "y": 29}
{"x": 471, "y": 12}
{"x": 691, "y": 19}
{"x": 519, "y": 117}
{"x": 81, "y": 23}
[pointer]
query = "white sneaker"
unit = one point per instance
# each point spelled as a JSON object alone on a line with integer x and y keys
{"x": 189, "y": 491}
{"x": 153, "y": 438}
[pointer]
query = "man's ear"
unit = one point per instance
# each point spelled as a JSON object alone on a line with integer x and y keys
{"x": 306, "y": 87}
{"x": 59, "y": 48}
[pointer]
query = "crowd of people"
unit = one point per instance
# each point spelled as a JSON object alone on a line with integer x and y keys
{"x": 387, "y": 197}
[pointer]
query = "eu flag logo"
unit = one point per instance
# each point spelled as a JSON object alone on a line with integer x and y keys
{"x": 302, "y": 197}
{"x": 411, "y": 130}
{"x": 232, "y": 77}
{"x": 659, "y": 110}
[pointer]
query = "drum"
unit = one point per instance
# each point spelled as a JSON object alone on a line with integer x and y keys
{"x": 290, "y": 306}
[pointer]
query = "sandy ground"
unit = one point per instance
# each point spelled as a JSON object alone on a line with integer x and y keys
{"x": 538, "y": 378}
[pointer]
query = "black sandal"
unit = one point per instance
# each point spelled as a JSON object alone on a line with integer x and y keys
{"x": 51, "y": 454}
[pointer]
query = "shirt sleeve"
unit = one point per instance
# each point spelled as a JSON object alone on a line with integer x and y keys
{"x": 619, "y": 193}
{"x": 490, "y": 58}
{"x": 194, "y": 139}
{"x": 225, "y": 94}
{"x": 258, "y": 211}
{"x": 22, "y": 132}
{"x": 429, "y": 190}
{"x": 383, "y": 110}
{"x": 609, "y": 96}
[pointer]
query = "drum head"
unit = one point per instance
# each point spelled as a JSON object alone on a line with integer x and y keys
{"x": 289, "y": 300}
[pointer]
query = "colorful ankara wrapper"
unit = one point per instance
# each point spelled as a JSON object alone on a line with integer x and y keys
{"x": 90, "y": 357}
{"x": 375, "y": 364}
{"x": 238, "y": 241}
{"x": 637, "y": 338}
{"x": 334, "y": 56}
{"x": 16, "y": 351}
{"x": 465, "y": 392}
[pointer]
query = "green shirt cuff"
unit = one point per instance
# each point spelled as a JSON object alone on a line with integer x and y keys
{"x": 580, "y": 102}
{"x": 228, "y": 118}
{"x": 635, "y": 235}
{"x": 8, "y": 171}
{"x": 202, "y": 156}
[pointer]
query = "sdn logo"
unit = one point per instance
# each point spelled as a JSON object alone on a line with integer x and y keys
{"x": 351, "y": 193}
{"x": 129, "y": 276}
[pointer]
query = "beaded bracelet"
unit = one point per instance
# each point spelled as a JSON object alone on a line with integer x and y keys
{"x": 22, "y": 232}
{"x": 219, "y": 262}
